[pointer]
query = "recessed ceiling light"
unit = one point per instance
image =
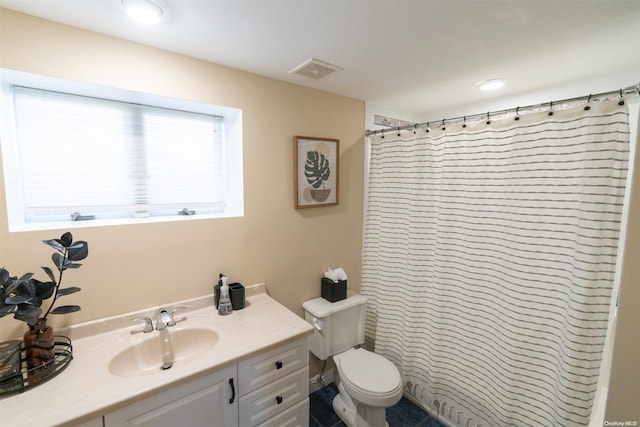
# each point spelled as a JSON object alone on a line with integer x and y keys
{"x": 143, "y": 11}
{"x": 488, "y": 85}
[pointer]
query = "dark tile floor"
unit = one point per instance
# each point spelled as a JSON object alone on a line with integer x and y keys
{"x": 403, "y": 414}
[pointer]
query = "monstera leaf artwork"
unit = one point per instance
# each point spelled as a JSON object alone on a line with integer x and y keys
{"x": 316, "y": 169}
{"x": 316, "y": 172}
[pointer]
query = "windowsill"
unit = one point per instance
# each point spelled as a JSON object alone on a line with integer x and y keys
{"x": 66, "y": 225}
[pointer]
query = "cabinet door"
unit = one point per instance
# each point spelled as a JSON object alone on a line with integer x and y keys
{"x": 207, "y": 401}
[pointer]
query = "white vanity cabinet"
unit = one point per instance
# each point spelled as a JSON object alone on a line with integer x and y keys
{"x": 270, "y": 389}
{"x": 209, "y": 400}
{"x": 263, "y": 349}
{"x": 274, "y": 387}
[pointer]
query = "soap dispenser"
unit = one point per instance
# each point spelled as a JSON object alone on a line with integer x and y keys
{"x": 224, "y": 305}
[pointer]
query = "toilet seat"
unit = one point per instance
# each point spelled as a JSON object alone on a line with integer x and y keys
{"x": 369, "y": 378}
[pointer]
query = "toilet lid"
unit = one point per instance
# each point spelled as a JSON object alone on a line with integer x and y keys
{"x": 369, "y": 371}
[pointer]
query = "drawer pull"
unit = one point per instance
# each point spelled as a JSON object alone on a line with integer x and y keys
{"x": 279, "y": 399}
{"x": 278, "y": 365}
{"x": 233, "y": 391}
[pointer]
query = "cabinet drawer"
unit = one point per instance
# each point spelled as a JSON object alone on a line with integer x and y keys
{"x": 268, "y": 367}
{"x": 296, "y": 416}
{"x": 272, "y": 399}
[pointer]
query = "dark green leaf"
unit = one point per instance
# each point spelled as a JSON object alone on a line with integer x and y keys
{"x": 49, "y": 273}
{"x": 44, "y": 290}
{"x": 64, "y": 309}
{"x": 73, "y": 265}
{"x": 4, "y": 276}
{"x": 66, "y": 239}
{"x": 10, "y": 287}
{"x": 17, "y": 299}
{"x": 68, "y": 291}
{"x": 55, "y": 244}
{"x": 25, "y": 288}
{"x": 27, "y": 313}
{"x": 26, "y": 276}
{"x": 58, "y": 261}
{"x": 78, "y": 251}
{"x": 7, "y": 309}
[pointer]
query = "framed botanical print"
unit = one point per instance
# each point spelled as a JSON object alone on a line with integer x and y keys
{"x": 315, "y": 171}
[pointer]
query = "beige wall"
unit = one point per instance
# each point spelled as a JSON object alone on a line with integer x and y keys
{"x": 136, "y": 266}
{"x": 623, "y": 401}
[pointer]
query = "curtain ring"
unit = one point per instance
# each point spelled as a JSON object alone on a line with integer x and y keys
{"x": 588, "y": 107}
{"x": 464, "y": 120}
{"x": 517, "y": 117}
{"x": 415, "y": 127}
{"x": 382, "y": 133}
{"x": 398, "y": 130}
{"x": 550, "y": 108}
{"x": 488, "y": 119}
{"x": 621, "y": 102}
{"x": 443, "y": 127}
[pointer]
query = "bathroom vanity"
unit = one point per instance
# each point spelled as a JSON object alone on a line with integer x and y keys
{"x": 246, "y": 369}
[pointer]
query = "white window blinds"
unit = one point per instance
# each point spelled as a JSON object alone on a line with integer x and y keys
{"x": 111, "y": 159}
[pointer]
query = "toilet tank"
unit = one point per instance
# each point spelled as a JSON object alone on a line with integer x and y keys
{"x": 338, "y": 325}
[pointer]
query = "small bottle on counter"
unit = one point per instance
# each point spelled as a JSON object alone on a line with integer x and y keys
{"x": 224, "y": 305}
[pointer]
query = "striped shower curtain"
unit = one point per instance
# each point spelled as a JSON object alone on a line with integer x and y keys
{"x": 489, "y": 257}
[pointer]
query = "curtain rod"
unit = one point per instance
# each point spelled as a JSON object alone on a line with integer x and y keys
{"x": 631, "y": 90}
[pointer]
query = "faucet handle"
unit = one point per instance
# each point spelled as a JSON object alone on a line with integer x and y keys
{"x": 148, "y": 325}
{"x": 178, "y": 308}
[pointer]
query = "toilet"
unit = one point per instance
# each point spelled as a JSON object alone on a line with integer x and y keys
{"x": 367, "y": 382}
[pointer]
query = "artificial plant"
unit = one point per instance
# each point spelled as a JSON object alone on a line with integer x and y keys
{"x": 24, "y": 295}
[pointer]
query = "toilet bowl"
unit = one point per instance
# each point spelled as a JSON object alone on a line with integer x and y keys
{"x": 368, "y": 383}
{"x": 369, "y": 378}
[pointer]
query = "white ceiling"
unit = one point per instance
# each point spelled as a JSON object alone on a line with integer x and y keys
{"x": 413, "y": 56}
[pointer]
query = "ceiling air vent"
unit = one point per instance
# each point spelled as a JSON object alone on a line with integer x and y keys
{"x": 315, "y": 69}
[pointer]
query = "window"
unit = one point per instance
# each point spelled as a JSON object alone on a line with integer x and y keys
{"x": 72, "y": 157}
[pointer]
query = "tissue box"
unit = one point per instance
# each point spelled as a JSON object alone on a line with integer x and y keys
{"x": 333, "y": 291}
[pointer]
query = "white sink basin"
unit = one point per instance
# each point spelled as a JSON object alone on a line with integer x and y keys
{"x": 145, "y": 356}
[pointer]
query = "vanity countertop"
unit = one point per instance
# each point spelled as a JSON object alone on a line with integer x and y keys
{"x": 86, "y": 389}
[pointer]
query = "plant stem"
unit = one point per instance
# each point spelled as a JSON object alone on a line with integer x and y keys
{"x": 55, "y": 296}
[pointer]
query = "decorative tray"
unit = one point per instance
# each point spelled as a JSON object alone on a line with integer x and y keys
{"x": 29, "y": 378}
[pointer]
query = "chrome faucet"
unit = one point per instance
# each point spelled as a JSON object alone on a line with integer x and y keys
{"x": 166, "y": 319}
